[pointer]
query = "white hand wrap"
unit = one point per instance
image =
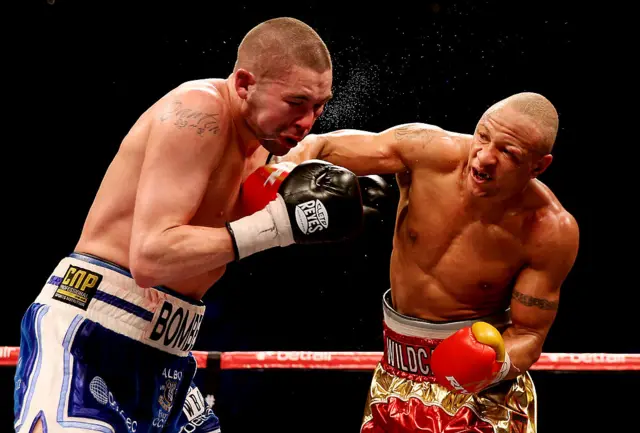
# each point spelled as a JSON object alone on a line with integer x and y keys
{"x": 267, "y": 228}
{"x": 504, "y": 370}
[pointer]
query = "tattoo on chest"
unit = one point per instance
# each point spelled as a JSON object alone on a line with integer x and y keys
{"x": 530, "y": 301}
{"x": 410, "y": 132}
{"x": 202, "y": 123}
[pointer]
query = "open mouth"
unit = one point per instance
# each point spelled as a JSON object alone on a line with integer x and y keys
{"x": 289, "y": 142}
{"x": 480, "y": 176}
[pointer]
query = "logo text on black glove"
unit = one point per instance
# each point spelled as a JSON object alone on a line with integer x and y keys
{"x": 312, "y": 216}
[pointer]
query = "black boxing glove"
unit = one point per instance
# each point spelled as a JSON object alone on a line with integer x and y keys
{"x": 377, "y": 202}
{"x": 375, "y": 194}
{"x": 317, "y": 202}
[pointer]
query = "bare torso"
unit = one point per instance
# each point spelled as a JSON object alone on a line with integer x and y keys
{"x": 449, "y": 264}
{"x": 107, "y": 229}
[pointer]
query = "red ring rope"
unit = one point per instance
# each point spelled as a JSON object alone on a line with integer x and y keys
{"x": 363, "y": 361}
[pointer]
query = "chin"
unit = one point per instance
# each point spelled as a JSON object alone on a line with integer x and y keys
{"x": 275, "y": 147}
{"x": 480, "y": 194}
{"x": 484, "y": 193}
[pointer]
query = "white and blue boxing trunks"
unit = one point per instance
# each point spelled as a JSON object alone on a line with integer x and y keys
{"x": 98, "y": 353}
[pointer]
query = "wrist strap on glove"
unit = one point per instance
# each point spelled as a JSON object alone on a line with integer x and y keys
{"x": 267, "y": 228}
{"x": 504, "y": 370}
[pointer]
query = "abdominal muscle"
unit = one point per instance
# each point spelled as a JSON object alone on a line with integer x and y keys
{"x": 444, "y": 292}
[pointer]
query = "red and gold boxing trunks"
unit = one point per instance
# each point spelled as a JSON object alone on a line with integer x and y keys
{"x": 404, "y": 397}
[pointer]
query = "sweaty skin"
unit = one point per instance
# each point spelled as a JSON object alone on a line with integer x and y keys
{"x": 166, "y": 203}
{"x": 457, "y": 254}
{"x": 164, "y": 200}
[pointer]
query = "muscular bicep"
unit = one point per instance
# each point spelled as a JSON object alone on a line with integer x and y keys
{"x": 393, "y": 150}
{"x": 184, "y": 145}
{"x": 536, "y": 294}
{"x": 534, "y": 302}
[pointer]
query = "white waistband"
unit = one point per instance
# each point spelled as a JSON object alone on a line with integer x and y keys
{"x": 108, "y": 295}
{"x": 414, "y": 327}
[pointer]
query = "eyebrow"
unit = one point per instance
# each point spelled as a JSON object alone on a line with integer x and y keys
{"x": 508, "y": 143}
{"x": 306, "y": 97}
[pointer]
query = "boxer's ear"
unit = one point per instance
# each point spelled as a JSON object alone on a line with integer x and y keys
{"x": 541, "y": 165}
{"x": 243, "y": 79}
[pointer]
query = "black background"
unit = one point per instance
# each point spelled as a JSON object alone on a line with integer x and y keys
{"x": 86, "y": 70}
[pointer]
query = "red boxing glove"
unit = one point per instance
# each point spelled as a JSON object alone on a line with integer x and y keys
{"x": 262, "y": 185}
{"x": 471, "y": 359}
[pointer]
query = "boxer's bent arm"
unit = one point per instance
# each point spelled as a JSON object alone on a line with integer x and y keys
{"x": 393, "y": 150}
{"x": 185, "y": 145}
{"x": 535, "y": 296}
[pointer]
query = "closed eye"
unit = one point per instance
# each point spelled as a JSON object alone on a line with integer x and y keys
{"x": 514, "y": 156}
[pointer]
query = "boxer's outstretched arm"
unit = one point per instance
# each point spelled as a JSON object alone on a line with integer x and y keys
{"x": 535, "y": 296}
{"x": 185, "y": 144}
{"x": 393, "y": 150}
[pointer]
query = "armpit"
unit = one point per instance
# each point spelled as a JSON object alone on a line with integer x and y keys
{"x": 404, "y": 178}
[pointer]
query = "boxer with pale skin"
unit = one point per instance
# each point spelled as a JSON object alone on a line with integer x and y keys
{"x": 170, "y": 214}
{"x": 477, "y": 236}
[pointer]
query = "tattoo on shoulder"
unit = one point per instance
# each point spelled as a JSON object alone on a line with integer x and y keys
{"x": 530, "y": 301}
{"x": 182, "y": 117}
{"x": 408, "y": 132}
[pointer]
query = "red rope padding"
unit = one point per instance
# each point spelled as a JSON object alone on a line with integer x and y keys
{"x": 9, "y": 357}
{"x": 367, "y": 360}
{"x": 300, "y": 359}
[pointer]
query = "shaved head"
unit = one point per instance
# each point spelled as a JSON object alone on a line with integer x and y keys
{"x": 274, "y": 46}
{"x": 539, "y": 109}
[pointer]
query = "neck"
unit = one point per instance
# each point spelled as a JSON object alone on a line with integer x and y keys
{"x": 248, "y": 142}
{"x": 487, "y": 208}
{"x": 495, "y": 208}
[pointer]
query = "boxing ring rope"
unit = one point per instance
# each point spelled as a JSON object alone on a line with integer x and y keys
{"x": 364, "y": 361}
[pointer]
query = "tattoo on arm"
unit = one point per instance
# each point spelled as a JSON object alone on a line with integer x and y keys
{"x": 530, "y": 301}
{"x": 409, "y": 132}
{"x": 200, "y": 121}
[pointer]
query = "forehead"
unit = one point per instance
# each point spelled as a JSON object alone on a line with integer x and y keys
{"x": 509, "y": 123}
{"x": 305, "y": 81}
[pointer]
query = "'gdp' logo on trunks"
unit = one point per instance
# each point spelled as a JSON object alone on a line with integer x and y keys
{"x": 312, "y": 216}
{"x": 173, "y": 327}
{"x": 77, "y": 287}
